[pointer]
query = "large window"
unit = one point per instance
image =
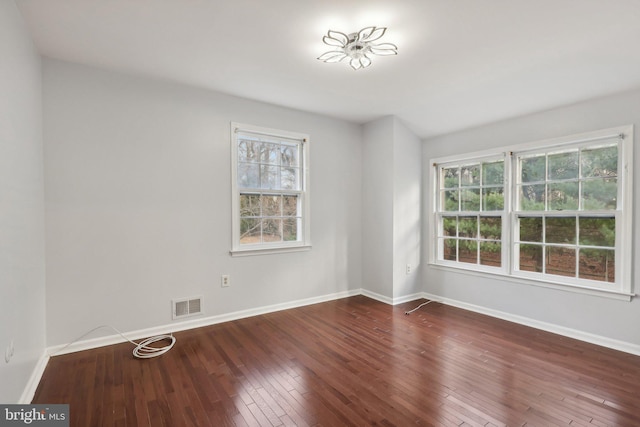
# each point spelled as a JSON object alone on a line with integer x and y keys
{"x": 567, "y": 200}
{"x": 270, "y": 190}
{"x": 557, "y": 211}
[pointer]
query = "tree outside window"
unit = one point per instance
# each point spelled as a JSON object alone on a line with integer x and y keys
{"x": 557, "y": 211}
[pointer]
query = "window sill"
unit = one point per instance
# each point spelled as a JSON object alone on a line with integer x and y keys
{"x": 612, "y": 294}
{"x": 268, "y": 251}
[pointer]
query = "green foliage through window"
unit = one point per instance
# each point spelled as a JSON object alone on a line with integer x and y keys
{"x": 270, "y": 195}
{"x": 563, "y": 217}
{"x": 477, "y": 189}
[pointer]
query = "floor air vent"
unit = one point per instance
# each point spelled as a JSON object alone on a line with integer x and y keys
{"x": 186, "y": 307}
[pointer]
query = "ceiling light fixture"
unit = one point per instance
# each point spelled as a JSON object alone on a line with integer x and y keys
{"x": 357, "y": 47}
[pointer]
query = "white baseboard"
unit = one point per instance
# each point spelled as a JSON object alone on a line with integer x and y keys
{"x": 34, "y": 380}
{"x": 191, "y": 324}
{"x": 36, "y": 376}
{"x": 549, "y": 327}
{"x": 407, "y": 298}
{"x": 376, "y": 296}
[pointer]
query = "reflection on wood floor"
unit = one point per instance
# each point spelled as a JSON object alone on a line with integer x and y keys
{"x": 352, "y": 362}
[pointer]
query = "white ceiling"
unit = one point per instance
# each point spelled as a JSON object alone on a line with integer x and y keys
{"x": 460, "y": 63}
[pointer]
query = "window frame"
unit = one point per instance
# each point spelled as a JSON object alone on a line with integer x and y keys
{"x": 622, "y": 288}
{"x": 480, "y": 213}
{"x": 304, "y": 233}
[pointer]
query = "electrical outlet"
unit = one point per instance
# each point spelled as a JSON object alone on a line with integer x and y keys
{"x": 408, "y": 268}
{"x": 225, "y": 281}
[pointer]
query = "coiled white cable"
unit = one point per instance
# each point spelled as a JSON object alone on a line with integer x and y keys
{"x": 142, "y": 350}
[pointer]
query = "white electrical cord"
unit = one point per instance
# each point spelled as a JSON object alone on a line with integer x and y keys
{"x": 142, "y": 350}
{"x": 420, "y": 306}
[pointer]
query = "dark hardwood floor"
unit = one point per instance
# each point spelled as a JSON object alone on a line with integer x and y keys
{"x": 352, "y": 362}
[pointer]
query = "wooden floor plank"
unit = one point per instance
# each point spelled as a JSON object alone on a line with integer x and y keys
{"x": 353, "y": 361}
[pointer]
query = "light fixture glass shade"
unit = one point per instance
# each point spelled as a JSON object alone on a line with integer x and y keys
{"x": 357, "y": 48}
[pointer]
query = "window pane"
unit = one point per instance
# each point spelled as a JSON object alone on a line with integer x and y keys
{"x": 468, "y": 251}
{"x": 561, "y": 261}
{"x": 531, "y": 258}
{"x": 268, "y": 177}
{"x": 600, "y": 194}
{"x": 250, "y": 231}
{"x": 470, "y": 175}
{"x": 600, "y": 162}
{"x": 493, "y": 173}
{"x": 492, "y": 199}
{"x": 563, "y": 166}
{"x": 532, "y": 197}
{"x": 450, "y": 249}
{"x": 271, "y": 205}
{"x": 290, "y": 229}
{"x": 269, "y": 153}
{"x": 470, "y": 199}
{"x": 531, "y": 230}
{"x": 532, "y": 169}
{"x": 468, "y": 226}
{"x": 563, "y": 196}
{"x": 595, "y": 231}
{"x": 597, "y": 264}
{"x": 248, "y": 151}
{"x": 289, "y": 155}
{"x": 491, "y": 228}
{"x": 289, "y": 179}
{"x": 271, "y": 230}
{"x": 248, "y": 176}
{"x": 450, "y": 177}
{"x": 249, "y": 205}
{"x": 289, "y": 205}
{"x": 491, "y": 254}
{"x": 560, "y": 230}
{"x": 450, "y": 201}
{"x": 449, "y": 226}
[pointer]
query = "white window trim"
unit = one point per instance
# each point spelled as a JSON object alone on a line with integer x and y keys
{"x": 506, "y": 272}
{"x": 269, "y": 248}
{"x": 460, "y": 160}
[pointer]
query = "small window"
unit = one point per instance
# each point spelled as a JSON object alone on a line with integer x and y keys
{"x": 270, "y": 190}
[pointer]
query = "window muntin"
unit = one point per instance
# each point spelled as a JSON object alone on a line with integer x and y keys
{"x": 575, "y": 179}
{"x": 567, "y": 212}
{"x": 470, "y": 212}
{"x": 270, "y": 164}
{"x": 267, "y": 218}
{"x": 270, "y": 192}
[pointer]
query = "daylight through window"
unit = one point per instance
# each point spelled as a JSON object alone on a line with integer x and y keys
{"x": 270, "y": 189}
{"x": 472, "y": 199}
{"x": 566, "y": 211}
{"x": 557, "y": 211}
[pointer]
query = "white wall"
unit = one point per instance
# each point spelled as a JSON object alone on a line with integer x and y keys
{"x": 391, "y": 209}
{"x": 138, "y": 196}
{"x": 602, "y": 317}
{"x": 22, "y": 275}
{"x": 377, "y": 207}
{"x": 407, "y": 151}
